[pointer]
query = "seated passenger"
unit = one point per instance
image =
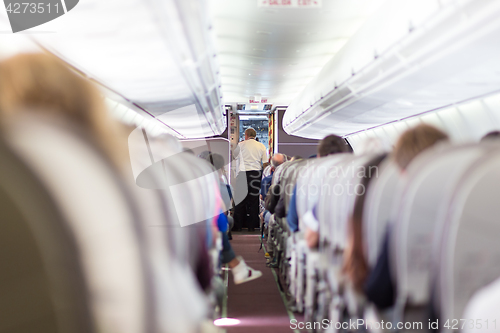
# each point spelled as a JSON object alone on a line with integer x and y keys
{"x": 241, "y": 272}
{"x": 331, "y": 144}
{"x": 276, "y": 161}
{"x": 355, "y": 265}
{"x": 266, "y": 167}
{"x": 379, "y": 287}
{"x": 217, "y": 161}
{"x": 265, "y": 215}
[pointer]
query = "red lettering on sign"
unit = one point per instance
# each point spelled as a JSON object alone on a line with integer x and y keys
{"x": 307, "y": 2}
{"x": 280, "y": 2}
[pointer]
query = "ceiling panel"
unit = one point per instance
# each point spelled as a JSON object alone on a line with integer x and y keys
{"x": 276, "y": 52}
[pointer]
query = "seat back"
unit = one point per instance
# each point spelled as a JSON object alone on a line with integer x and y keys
{"x": 279, "y": 171}
{"x": 184, "y": 181}
{"x": 379, "y": 202}
{"x": 288, "y": 180}
{"x": 432, "y": 176}
{"x": 470, "y": 251}
{"x": 100, "y": 216}
{"x": 309, "y": 182}
{"x": 41, "y": 280}
{"x": 337, "y": 203}
{"x": 303, "y": 179}
{"x": 173, "y": 256}
{"x": 329, "y": 193}
{"x": 355, "y": 172}
{"x": 186, "y": 187}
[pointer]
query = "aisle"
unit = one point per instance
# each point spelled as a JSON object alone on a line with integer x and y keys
{"x": 257, "y": 304}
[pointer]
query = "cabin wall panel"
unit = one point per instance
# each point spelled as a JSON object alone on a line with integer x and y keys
{"x": 291, "y": 145}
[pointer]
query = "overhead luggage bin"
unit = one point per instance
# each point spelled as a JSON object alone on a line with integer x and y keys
{"x": 157, "y": 56}
{"x": 408, "y": 58}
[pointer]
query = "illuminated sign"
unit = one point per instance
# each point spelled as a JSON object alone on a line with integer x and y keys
{"x": 290, "y": 3}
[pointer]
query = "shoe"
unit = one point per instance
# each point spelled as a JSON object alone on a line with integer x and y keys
{"x": 267, "y": 255}
{"x": 273, "y": 263}
{"x": 243, "y": 273}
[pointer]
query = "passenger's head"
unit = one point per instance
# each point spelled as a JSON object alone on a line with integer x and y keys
{"x": 332, "y": 144}
{"x": 41, "y": 83}
{"x": 414, "y": 141}
{"x": 204, "y": 154}
{"x": 216, "y": 160}
{"x": 493, "y": 135}
{"x": 250, "y": 133}
{"x": 277, "y": 160}
{"x": 188, "y": 150}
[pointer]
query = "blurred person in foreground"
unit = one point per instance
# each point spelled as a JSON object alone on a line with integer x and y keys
{"x": 40, "y": 83}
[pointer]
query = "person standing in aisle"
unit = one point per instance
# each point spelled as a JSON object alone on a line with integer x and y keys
{"x": 251, "y": 155}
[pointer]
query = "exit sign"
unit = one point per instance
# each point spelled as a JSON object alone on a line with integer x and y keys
{"x": 290, "y": 3}
{"x": 255, "y": 101}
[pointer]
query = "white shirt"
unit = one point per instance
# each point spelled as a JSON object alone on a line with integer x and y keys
{"x": 251, "y": 154}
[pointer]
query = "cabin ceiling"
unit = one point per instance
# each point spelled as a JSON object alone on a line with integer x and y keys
{"x": 153, "y": 56}
{"x": 275, "y": 52}
{"x": 342, "y": 68}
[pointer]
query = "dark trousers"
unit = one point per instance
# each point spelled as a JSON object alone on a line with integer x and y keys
{"x": 227, "y": 251}
{"x": 247, "y": 192}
